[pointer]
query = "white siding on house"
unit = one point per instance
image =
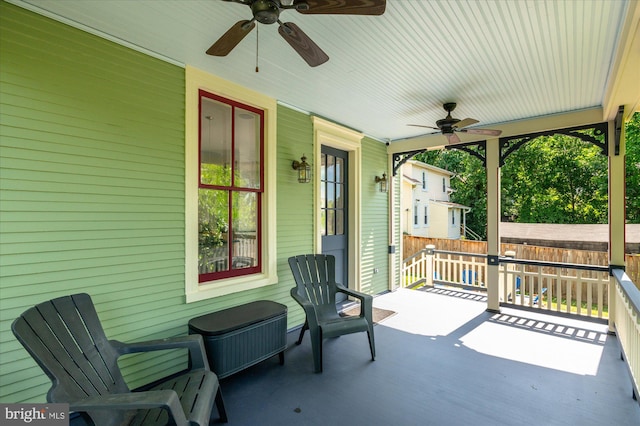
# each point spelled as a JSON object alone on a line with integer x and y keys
{"x": 425, "y": 190}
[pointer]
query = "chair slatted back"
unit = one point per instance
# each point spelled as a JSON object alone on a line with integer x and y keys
{"x": 66, "y": 339}
{"x": 315, "y": 277}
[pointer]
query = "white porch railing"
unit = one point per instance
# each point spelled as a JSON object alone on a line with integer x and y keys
{"x": 429, "y": 266}
{"x": 554, "y": 287}
{"x": 626, "y": 317}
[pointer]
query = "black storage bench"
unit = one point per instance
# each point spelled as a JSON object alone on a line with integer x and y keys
{"x": 239, "y": 337}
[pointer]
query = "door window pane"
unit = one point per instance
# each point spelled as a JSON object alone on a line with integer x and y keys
{"x": 339, "y": 222}
{"x": 331, "y": 221}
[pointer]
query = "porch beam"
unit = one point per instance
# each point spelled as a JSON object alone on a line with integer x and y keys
{"x": 513, "y": 128}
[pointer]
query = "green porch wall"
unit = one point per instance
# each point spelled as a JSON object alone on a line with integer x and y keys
{"x": 375, "y": 219}
{"x": 92, "y": 194}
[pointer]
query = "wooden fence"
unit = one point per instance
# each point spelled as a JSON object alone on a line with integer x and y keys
{"x": 548, "y": 254}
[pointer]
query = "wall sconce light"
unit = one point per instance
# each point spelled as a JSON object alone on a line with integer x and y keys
{"x": 383, "y": 182}
{"x": 303, "y": 168}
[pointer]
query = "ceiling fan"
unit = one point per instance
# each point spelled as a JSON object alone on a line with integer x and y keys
{"x": 268, "y": 12}
{"x": 449, "y": 125}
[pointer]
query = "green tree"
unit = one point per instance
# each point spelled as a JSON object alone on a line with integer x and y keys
{"x": 555, "y": 179}
{"x": 632, "y": 163}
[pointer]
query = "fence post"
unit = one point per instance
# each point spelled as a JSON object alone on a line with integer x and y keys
{"x": 430, "y": 252}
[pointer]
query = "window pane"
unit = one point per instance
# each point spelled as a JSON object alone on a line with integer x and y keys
{"x": 339, "y": 222}
{"x": 339, "y": 170}
{"x": 331, "y": 196}
{"x": 244, "y": 230}
{"x": 323, "y": 167}
{"x": 323, "y": 195}
{"x": 215, "y": 143}
{"x": 331, "y": 168}
{"x": 213, "y": 247}
{"x": 339, "y": 198}
{"x": 331, "y": 222}
{"x": 247, "y": 149}
{"x": 323, "y": 222}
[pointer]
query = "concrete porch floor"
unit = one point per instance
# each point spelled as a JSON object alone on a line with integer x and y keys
{"x": 443, "y": 360}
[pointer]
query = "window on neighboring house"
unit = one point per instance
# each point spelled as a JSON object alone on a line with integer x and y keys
{"x": 453, "y": 217}
{"x": 424, "y": 181}
{"x": 426, "y": 215}
{"x": 444, "y": 185}
{"x": 415, "y": 215}
{"x": 230, "y": 188}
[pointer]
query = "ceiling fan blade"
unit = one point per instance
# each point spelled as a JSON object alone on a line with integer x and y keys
{"x": 231, "y": 38}
{"x": 426, "y": 127}
{"x": 464, "y": 123}
{"x": 488, "y": 132}
{"x": 452, "y": 138}
{"x": 341, "y": 7}
{"x": 301, "y": 43}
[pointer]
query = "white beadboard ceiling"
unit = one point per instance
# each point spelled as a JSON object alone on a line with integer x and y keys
{"x": 501, "y": 60}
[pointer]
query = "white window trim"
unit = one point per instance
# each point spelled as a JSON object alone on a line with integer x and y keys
{"x": 333, "y": 135}
{"x": 196, "y": 79}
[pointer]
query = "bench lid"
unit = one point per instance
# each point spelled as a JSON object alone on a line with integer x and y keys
{"x": 237, "y": 317}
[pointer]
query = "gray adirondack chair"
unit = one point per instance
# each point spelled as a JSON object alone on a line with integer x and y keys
{"x": 315, "y": 291}
{"x": 66, "y": 339}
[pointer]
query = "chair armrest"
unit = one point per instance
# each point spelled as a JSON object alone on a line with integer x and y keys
{"x": 366, "y": 301}
{"x": 309, "y": 308}
{"x": 192, "y": 342}
{"x": 167, "y": 399}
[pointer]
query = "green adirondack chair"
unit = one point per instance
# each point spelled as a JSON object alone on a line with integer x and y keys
{"x": 66, "y": 339}
{"x": 315, "y": 291}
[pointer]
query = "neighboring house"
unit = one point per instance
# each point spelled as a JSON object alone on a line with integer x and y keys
{"x": 426, "y": 207}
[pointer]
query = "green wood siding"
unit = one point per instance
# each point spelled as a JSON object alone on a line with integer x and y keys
{"x": 92, "y": 194}
{"x": 295, "y": 200}
{"x": 375, "y": 224}
{"x": 92, "y": 187}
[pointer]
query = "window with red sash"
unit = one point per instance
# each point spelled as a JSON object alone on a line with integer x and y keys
{"x": 230, "y": 188}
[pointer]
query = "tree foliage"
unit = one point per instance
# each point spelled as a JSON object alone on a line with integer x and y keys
{"x": 632, "y": 137}
{"x": 555, "y": 179}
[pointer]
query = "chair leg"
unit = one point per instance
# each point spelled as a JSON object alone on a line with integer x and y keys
{"x": 316, "y": 348}
{"x": 222, "y": 412}
{"x": 304, "y": 328}
{"x": 372, "y": 344}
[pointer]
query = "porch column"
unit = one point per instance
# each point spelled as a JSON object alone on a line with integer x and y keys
{"x": 493, "y": 224}
{"x": 617, "y": 204}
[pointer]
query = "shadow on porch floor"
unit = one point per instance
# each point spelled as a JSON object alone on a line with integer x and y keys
{"x": 444, "y": 360}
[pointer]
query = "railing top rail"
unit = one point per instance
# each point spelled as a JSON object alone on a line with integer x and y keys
{"x": 458, "y": 253}
{"x": 554, "y": 264}
{"x": 413, "y": 256}
{"x": 629, "y": 289}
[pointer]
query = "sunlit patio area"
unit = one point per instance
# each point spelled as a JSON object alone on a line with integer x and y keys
{"x": 442, "y": 359}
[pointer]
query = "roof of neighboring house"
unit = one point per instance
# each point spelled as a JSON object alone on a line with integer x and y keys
{"x": 411, "y": 180}
{"x": 430, "y": 167}
{"x": 556, "y": 235}
{"x": 451, "y": 205}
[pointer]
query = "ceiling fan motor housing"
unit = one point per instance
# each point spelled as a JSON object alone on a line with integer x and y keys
{"x": 265, "y": 11}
